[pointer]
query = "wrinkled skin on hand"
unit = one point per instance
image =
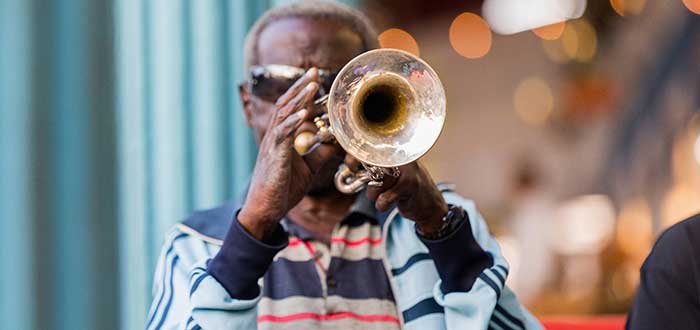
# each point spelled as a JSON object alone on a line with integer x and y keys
{"x": 414, "y": 193}
{"x": 281, "y": 176}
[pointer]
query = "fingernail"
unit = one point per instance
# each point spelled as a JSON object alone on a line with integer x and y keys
{"x": 302, "y": 113}
{"x": 311, "y": 72}
{"x": 310, "y": 87}
{"x": 299, "y": 114}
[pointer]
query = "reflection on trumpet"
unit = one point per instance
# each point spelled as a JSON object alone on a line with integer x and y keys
{"x": 386, "y": 108}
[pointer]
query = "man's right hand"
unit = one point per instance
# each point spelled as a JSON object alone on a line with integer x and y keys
{"x": 281, "y": 177}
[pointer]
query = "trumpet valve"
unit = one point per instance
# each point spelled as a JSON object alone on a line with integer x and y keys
{"x": 304, "y": 142}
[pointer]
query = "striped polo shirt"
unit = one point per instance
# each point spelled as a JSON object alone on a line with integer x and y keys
{"x": 344, "y": 285}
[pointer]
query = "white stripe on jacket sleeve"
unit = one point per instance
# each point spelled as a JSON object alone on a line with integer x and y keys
{"x": 186, "y": 297}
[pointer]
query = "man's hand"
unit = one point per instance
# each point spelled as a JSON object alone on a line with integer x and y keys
{"x": 281, "y": 177}
{"x": 416, "y": 196}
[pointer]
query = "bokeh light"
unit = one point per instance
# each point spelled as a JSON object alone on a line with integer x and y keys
{"x": 470, "y": 36}
{"x": 511, "y": 251}
{"x": 680, "y": 202}
{"x": 513, "y": 16}
{"x": 628, "y": 7}
{"x": 696, "y": 150}
{"x": 550, "y": 32}
{"x": 692, "y": 5}
{"x": 635, "y": 229}
{"x": 624, "y": 280}
{"x": 554, "y": 51}
{"x": 578, "y": 42}
{"x": 587, "y": 40}
{"x": 533, "y": 101}
{"x": 569, "y": 41}
{"x": 399, "y": 39}
{"x": 586, "y": 224}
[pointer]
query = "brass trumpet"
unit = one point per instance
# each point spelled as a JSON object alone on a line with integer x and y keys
{"x": 386, "y": 108}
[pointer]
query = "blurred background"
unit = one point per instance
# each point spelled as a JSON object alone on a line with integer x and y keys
{"x": 579, "y": 141}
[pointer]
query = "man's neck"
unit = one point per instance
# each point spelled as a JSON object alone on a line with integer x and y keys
{"x": 320, "y": 214}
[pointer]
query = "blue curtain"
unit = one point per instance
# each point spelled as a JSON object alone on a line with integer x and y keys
{"x": 183, "y": 142}
{"x": 58, "y": 163}
{"x": 117, "y": 119}
{"x": 16, "y": 290}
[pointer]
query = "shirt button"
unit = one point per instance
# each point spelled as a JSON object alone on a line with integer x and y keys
{"x": 318, "y": 254}
{"x": 331, "y": 283}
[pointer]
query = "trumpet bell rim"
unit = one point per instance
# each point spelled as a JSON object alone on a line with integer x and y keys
{"x": 424, "y": 123}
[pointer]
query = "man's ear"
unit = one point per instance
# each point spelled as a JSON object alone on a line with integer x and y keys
{"x": 244, "y": 94}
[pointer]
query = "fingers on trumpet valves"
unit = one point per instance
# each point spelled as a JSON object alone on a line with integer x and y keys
{"x": 306, "y": 142}
{"x": 298, "y": 101}
{"x": 293, "y": 121}
{"x": 310, "y": 76}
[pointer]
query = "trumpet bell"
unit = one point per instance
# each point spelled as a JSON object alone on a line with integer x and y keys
{"x": 386, "y": 107}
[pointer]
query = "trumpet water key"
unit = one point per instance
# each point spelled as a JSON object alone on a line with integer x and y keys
{"x": 386, "y": 108}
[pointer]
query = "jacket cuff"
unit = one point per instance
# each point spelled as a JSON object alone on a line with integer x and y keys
{"x": 243, "y": 259}
{"x": 459, "y": 259}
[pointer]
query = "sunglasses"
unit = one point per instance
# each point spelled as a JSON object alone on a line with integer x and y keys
{"x": 269, "y": 82}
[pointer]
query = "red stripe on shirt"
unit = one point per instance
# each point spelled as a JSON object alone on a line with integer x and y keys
{"x": 356, "y": 242}
{"x": 327, "y": 317}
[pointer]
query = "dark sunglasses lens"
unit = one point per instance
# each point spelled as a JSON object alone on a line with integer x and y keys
{"x": 270, "y": 88}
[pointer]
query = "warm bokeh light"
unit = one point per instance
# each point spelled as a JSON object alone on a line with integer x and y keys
{"x": 587, "y": 40}
{"x": 682, "y": 201}
{"x": 513, "y": 16}
{"x": 626, "y": 7}
{"x": 533, "y": 101}
{"x": 550, "y": 32}
{"x": 399, "y": 39}
{"x": 624, "y": 280}
{"x": 569, "y": 41}
{"x": 586, "y": 224}
{"x": 635, "y": 229}
{"x": 511, "y": 251}
{"x": 578, "y": 42}
{"x": 470, "y": 35}
{"x": 684, "y": 157}
{"x": 692, "y": 5}
{"x": 696, "y": 150}
{"x": 554, "y": 51}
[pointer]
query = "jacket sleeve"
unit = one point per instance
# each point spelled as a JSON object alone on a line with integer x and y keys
{"x": 193, "y": 292}
{"x": 472, "y": 273}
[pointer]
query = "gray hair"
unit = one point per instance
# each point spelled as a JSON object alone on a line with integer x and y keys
{"x": 312, "y": 9}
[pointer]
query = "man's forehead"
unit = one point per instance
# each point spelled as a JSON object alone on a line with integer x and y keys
{"x": 306, "y": 42}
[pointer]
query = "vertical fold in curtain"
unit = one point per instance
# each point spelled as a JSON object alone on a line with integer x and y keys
{"x": 57, "y": 147}
{"x": 182, "y": 139}
{"x": 16, "y": 291}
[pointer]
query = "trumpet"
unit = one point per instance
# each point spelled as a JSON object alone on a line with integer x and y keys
{"x": 386, "y": 108}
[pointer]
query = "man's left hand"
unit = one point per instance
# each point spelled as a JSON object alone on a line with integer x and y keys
{"x": 415, "y": 194}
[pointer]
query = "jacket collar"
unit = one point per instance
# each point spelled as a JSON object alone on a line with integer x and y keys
{"x": 211, "y": 225}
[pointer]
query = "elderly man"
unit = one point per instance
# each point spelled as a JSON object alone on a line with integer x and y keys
{"x": 296, "y": 253}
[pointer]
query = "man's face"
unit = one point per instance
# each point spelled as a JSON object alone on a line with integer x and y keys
{"x": 303, "y": 43}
